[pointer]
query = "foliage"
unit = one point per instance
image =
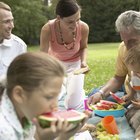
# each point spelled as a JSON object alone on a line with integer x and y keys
{"x": 101, "y": 15}
{"x": 29, "y": 18}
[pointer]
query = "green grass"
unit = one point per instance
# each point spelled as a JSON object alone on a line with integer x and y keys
{"x": 101, "y": 60}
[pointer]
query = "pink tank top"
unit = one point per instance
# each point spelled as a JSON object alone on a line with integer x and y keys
{"x": 59, "y": 51}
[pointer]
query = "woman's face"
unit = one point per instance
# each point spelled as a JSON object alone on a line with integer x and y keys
{"x": 70, "y": 22}
{"x": 43, "y": 99}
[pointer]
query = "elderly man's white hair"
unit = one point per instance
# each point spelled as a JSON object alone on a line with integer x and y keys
{"x": 129, "y": 20}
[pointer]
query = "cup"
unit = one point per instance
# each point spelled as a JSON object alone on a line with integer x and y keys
{"x": 110, "y": 125}
{"x": 86, "y": 105}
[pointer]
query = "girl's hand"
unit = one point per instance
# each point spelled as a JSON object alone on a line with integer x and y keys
{"x": 136, "y": 104}
{"x": 69, "y": 130}
{"x": 43, "y": 133}
{"x": 61, "y": 130}
{"x": 127, "y": 98}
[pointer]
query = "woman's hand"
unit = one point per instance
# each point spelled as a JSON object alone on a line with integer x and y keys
{"x": 84, "y": 64}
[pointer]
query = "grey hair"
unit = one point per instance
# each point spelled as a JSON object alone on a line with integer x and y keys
{"x": 128, "y": 20}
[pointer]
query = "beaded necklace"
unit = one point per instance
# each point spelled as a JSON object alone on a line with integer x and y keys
{"x": 62, "y": 40}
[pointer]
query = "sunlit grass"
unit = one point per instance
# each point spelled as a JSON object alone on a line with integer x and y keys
{"x": 101, "y": 60}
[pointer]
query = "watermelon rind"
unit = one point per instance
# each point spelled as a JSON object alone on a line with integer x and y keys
{"x": 45, "y": 121}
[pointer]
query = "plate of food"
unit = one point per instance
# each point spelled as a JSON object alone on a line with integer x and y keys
{"x": 108, "y": 108}
{"x": 72, "y": 116}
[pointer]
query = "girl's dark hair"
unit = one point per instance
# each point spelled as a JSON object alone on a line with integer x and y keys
{"x": 66, "y": 8}
{"x": 31, "y": 70}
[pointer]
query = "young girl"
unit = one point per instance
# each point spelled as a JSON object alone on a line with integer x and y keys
{"x": 33, "y": 83}
{"x": 65, "y": 38}
{"x": 133, "y": 114}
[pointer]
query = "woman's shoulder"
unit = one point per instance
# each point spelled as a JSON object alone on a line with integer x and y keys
{"x": 84, "y": 26}
{"x": 48, "y": 24}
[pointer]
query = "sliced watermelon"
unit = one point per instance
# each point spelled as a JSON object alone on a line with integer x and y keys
{"x": 104, "y": 106}
{"x": 72, "y": 116}
{"x": 111, "y": 104}
{"x": 119, "y": 100}
{"x": 98, "y": 106}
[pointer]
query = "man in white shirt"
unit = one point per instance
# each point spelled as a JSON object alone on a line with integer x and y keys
{"x": 10, "y": 45}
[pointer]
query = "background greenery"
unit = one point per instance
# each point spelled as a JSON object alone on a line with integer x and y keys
{"x": 100, "y": 15}
{"x": 101, "y": 60}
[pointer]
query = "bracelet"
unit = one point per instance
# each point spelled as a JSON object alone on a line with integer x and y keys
{"x": 102, "y": 94}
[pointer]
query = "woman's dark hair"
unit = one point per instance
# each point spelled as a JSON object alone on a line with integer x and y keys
{"x": 66, "y": 8}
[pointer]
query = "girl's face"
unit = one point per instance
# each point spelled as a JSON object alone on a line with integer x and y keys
{"x": 43, "y": 99}
{"x": 70, "y": 22}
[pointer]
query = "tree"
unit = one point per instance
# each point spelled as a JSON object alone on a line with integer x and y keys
{"x": 101, "y": 15}
{"x": 29, "y": 18}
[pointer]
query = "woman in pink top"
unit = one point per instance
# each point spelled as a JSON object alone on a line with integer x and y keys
{"x": 66, "y": 38}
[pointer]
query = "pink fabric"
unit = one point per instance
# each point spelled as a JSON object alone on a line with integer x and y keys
{"x": 59, "y": 51}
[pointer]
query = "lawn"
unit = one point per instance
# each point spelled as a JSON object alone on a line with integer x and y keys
{"x": 101, "y": 60}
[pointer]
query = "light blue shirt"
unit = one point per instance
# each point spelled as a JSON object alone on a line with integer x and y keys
{"x": 10, "y": 126}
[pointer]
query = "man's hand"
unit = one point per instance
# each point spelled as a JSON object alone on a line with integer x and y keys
{"x": 94, "y": 98}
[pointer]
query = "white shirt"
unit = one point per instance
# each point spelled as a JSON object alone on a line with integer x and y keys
{"x": 10, "y": 127}
{"x": 9, "y": 49}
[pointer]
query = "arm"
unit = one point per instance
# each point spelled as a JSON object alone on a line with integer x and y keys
{"x": 113, "y": 85}
{"x": 83, "y": 43}
{"x": 44, "y": 38}
{"x": 117, "y": 81}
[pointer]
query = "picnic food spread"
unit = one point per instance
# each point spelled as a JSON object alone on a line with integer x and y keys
{"x": 105, "y": 108}
{"x": 106, "y": 105}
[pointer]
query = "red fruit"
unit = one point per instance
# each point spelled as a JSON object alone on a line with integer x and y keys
{"x": 107, "y": 102}
{"x": 119, "y": 100}
{"x": 102, "y": 106}
{"x": 97, "y": 107}
{"x": 72, "y": 116}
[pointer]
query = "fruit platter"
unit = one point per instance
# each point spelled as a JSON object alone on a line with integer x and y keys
{"x": 107, "y": 108}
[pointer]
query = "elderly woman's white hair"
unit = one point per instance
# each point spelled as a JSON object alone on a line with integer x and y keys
{"x": 129, "y": 20}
